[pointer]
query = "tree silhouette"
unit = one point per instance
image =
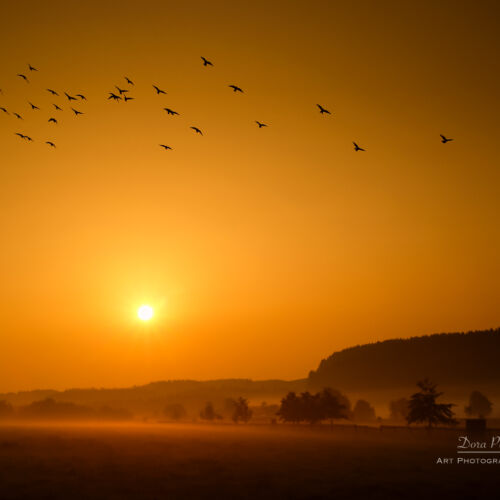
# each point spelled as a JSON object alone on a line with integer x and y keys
{"x": 363, "y": 411}
{"x": 290, "y": 409}
{"x": 175, "y": 411}
{"x": 399, "y": 409}
{"x": 241, "y": 411}
{"x": 313, "y": 408}
{"x": 423, "y": 406}
{"x": 479, "y": 405}
{"x": 331, "y": 405}
{"x": 6, "y": 409}
{"x": 208, "y": 413}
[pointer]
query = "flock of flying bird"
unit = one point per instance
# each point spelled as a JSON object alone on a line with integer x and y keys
{"x": 122, "y": 94}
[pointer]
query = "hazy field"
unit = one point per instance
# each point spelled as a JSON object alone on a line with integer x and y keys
{"x": 219, "y": 461}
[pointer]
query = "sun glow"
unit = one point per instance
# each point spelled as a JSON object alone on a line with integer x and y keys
{"x": 145, "y": 312}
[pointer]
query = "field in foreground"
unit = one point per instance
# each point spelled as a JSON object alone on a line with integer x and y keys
{"x": 196, "y": 461}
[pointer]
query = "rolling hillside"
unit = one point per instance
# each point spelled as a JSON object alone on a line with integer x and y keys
{"x": 449, "y": 359}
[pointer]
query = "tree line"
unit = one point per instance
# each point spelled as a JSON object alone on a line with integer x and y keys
{"x": 394, "y": 362}
{"x": 422, "y": 407}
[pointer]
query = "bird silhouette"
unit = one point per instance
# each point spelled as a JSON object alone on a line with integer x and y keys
{"x": 197, "y": 130}
{"x": 24, "y": 77}
{"x": 70, "y": 97}
{"x": 18, "y": 116}
{"x": 31, "y": 68}
{"x": 81, "y": 96}
{"x": 22, "y": 136}
{"x": 113, "y": 96}
{"x": 206, "y": 62}
{"x": 76, "y": 112}
{"x": 159, "y": 91}
{"x": 235, "y": 88}
{"x": 128, "y": 98}
{"x": 122, "y": 91}
{"x": 33, "y": 106}
{"x": 322, "y": 110}
{"x": 57, "y": 107}
{"x": 444, "y": 140}
{"x": 357, "y": 148}
{"x": 260, "y": 124}
{"x": 170, "y": 111}
{"x": 53, "y": 92}
{"x": 166, "y": 147}
{"x": 51, "y": 144}
{"x": 129, "y": 81}
{"x": 53, "y": 120}
{"x": 4, "y": 110}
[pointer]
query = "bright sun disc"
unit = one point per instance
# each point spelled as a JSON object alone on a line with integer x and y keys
{"x": 145, "y": 313}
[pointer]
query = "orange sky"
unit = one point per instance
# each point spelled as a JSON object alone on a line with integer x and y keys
{"x": 262, "y": 251}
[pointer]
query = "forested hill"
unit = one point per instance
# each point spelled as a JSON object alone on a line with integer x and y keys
{"x": 446, "y": 358}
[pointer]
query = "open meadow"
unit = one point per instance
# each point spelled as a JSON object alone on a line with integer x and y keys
{"x": 172, "y": 461}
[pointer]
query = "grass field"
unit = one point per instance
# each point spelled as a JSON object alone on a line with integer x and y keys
{"x": 203, "y": 461}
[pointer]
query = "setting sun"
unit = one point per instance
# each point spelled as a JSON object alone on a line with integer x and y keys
{"x": 145, "y": 312}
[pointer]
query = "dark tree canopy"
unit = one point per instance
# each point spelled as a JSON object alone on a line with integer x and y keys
{"x": 241, "y": 410}
{"x": 313, "y": 408}
{"x": 399, "y": 362}
{"x": 6, "y": 409}
{"x": 479, "y": 405}
{"x": 363, "y": 411}
{"x": 424, "y": 409}
{"x": 175, "y": 411}
{"x": 209, "y": 413}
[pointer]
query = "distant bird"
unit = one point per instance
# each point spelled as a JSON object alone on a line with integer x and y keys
{"x": 113, "y": 96}
{"x": 24, "y": 77}
{"x": 357, "y": 148}
{"x": 128, "y": 98}
{"x": 76, "y": 112}
{"x": 444, "y": 140}
{"x": 166, "y": 147}
{"x": 170, "y": 111}
{"x": 53, "y": 92}
{"x": 129, "y": 81}
{"x": 50, "y": 144}
{"x": 22, "y": 136}
{"x": 81, "y": 96}
{"x": 57, "y": 107}
{"x": 197, "y": 130}
{"x": 31, "y": 68}
{"x": 33, "y": 106}
{"x": 206, "y": 62}
{"x": 260, "y": 124}
{"x": 53, "y": 120}
{"x": 4, "y": 110}
{"x": 235, "y": 88}
{"x": 18, "y": 116}
{"x": 122, "y": 91}
{"x": 322, "y": 110}
{"x": 70, "y": 97}
{"x": 159, "y": 91}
